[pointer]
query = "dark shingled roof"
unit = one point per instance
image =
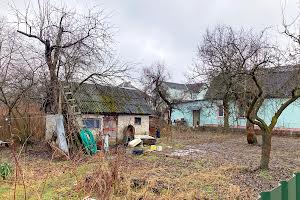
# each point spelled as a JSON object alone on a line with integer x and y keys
{"x": 276, "y": 82}
{"x": 216, "y": 89}
{"x": 100, "y": 99}
{"x": 280, "y": 83}
{"x": 176, "y": 86}
{"x": 126, "y": 85}
{"x": 194, "y": 87}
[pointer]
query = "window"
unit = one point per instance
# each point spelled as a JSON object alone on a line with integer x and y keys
{"x": 91, "y": 123}
{"x": 137, "y": 121}
{"x": 220, "y": 111}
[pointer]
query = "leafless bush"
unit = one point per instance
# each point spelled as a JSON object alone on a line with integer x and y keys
{"x": 104, "y": 180}
{"x": 99, "y": 183}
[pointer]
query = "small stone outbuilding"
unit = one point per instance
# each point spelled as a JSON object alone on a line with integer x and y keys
{"x": 113, "y": 110}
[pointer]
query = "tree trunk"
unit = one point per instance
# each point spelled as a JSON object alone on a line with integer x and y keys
{"x": 52, "y": 95}
{"x": 9, "y": 121}
{"x": 170, "y": 115}
{"x": 265, "y": 149}
{"x": 226, "y": 114}
{"x": 251, "y": 136}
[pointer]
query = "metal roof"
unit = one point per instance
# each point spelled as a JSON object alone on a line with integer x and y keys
{"x": 276, "y": 83}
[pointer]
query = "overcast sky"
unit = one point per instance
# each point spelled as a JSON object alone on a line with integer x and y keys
{"x": 170, "y": 30}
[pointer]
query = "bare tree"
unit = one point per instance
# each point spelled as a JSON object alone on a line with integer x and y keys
{"x": 250, "y": 50}
{"x": 291, "y": 87}
{"x": 217, "y": 56}
{"x": 76, "y": 46}
{"x": 259, "y": 73}
{"x": 153, "y": 79}
{"x": 18, "y": 70}
{"x": 225, "y": 56}
{"x": 263, "y": 78}
{"x": 241, "y": 62}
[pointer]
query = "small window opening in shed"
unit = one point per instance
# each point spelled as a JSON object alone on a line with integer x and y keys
{"x": 137, "y": 121}
{"x": 91, "y": 123}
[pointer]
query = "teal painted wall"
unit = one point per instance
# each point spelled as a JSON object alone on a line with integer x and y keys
{"x": 290, "y": 118}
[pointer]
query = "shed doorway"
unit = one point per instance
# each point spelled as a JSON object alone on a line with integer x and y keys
{"x": 128, "y": 134}
{"x": 130, "y": 131}
{"x": 196, "y": 118}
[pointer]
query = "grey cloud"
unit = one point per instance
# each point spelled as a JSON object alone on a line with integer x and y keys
{"x": 171, "y": 29}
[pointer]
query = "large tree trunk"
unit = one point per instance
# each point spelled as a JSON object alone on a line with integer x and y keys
{"x": 54, "y": 93}
{"x": 251, "y": 136}
{"x": 265, "y": 149}
{"x": 54, "y": 86}
{"x": 226, "y": 113}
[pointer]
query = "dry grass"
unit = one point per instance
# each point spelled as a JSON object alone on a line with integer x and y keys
{"x": 216, "y": 166}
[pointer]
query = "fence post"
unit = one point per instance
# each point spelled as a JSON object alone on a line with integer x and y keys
{"x": 265, "y": 195}
{"x": 284, "y": 190}
{"x": 297, "y": 186}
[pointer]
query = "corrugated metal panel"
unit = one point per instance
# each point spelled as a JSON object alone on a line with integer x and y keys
{"x": 287, "y": 190}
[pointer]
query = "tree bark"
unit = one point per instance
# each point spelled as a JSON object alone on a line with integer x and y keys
{"x": 251, "y": 136}
{"x": 226, "y": 114}
{"x": 9, "y": 121}
{"x": 53, "y": 92}
{"x": 54, "y": 86}
{"x": 266, "y": 149}
{"x": 169, "y": 116}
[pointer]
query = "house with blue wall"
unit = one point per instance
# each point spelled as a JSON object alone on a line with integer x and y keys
{"x": 180, "y": 92}
{"x": 208, "y": 110}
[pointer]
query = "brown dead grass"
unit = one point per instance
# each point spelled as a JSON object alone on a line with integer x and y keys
{"x": 222, "y": 168}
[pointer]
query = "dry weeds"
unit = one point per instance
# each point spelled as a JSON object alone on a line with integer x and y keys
{"x": 213, "y": 166}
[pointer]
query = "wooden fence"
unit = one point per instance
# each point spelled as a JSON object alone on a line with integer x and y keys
{"x": 287, "y": 190}
{"x": 29, "y": 122}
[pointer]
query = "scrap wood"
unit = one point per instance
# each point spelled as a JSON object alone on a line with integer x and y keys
{"x": 57, "y": 152}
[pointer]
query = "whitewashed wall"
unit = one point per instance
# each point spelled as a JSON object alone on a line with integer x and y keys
{"x": 125, "y": 120}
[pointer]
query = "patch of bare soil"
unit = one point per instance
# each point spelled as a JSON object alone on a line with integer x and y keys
{"x": 234, "y": 150}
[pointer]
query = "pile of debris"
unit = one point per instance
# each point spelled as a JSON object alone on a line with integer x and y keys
{"x": 140, "y": 140}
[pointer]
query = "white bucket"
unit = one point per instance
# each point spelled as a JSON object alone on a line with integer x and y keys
{"x": 159, "y": 148}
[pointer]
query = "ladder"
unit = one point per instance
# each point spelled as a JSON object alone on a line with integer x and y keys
{"x": 73, "y": 112}
{"x": 70, "y": 100}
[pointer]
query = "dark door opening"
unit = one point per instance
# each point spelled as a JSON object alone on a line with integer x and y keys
{"x": 196, "y": 118}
